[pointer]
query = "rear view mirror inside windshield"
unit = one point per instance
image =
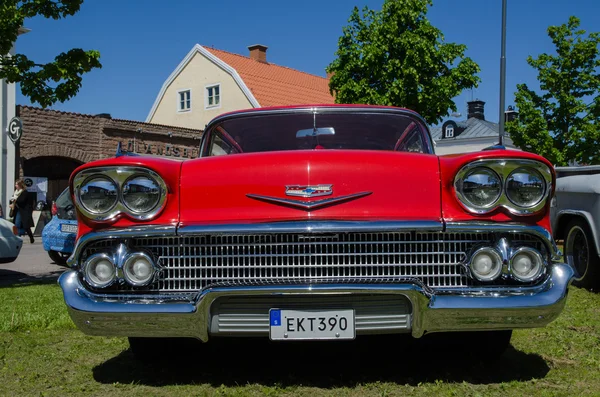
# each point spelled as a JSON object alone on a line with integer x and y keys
{"x": 315, "y": 132}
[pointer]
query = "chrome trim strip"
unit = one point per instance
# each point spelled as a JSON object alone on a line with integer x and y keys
{"x": 315, "y": 227}
{"x": 312, "y": 227}
{"x": 119, "y": 175}
{"x": 528, "y": 307}
{"x": 311, "y": 205}
{"x": 503, "y": 167}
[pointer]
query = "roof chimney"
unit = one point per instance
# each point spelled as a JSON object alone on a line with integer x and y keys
{"x": 475, "y": 109}
{"x": 510, "y": 114}
{"x": 258, "y": 52}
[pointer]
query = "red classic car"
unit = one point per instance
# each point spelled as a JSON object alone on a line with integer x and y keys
{"x": 306, "y": 223}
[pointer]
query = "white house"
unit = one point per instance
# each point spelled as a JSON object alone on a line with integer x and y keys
{"x": 209, "y": 82}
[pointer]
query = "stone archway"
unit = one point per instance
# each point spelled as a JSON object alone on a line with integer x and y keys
{"x": 60, "y": 151}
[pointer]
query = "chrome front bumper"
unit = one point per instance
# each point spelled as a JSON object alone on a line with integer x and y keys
{"x": 160, "y": 316}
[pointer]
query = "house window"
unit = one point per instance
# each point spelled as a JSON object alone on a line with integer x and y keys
{"x": 185, "y": 101}
{"x": 213, "y": 96}
{"x": 449, "y": 132}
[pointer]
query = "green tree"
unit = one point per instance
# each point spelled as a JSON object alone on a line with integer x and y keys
{"x": 395, "y": 57}
{"x": 562, "y": 122}
{"x": 46, "y": 83}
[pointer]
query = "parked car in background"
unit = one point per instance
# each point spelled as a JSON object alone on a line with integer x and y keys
{"x": 576, "y": 220}
{"x": 315, "y": 223}
{"x": 10, "y": 243}
{"x": 58, "y": 236}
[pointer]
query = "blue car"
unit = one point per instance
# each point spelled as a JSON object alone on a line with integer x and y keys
{"x": 58, "y": 236}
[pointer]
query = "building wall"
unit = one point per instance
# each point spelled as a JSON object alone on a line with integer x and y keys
{"x": 199, "y": 73}
{"x": 54, "y": 143}
{"x": 7, "y": 147}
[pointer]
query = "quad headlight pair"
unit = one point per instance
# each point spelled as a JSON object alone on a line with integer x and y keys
{"x": 137, "y": 269}
{"x": 525, "y": 264}
{"x": 521, "y": 186}
{"x": 103, "y": 193}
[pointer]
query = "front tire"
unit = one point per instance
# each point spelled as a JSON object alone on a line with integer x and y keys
{"x": 581, "y": 254}
{"x": 60, "y": 258}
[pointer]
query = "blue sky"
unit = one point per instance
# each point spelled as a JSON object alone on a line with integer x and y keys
{"x": 141, "y": 42}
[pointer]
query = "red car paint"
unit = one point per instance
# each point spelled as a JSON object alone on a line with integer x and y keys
{"x": 214, "y": 189}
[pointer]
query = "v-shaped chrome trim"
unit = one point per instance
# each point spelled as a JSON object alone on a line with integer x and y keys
{"x": 308, "y": 205}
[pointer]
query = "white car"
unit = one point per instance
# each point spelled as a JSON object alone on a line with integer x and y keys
{"x": 10, "y": 244}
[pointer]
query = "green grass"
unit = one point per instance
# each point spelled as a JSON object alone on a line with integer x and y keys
{"x": 42, "y": 354}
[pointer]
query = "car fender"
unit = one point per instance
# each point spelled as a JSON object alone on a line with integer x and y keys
{"x": 560, "y": 225}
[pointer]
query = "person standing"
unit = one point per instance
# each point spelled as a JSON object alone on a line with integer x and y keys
{"x": 22, "y": 210}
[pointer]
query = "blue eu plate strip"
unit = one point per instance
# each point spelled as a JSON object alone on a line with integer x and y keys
{"x": 275, "y": 317}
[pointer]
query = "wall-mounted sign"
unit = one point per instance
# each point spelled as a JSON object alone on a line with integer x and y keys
{"x": 37, "y": 185}
{"x": 15, "y": 129}
{"x": 161, "y": 150}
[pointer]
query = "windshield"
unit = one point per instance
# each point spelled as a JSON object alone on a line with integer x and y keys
{"x": 329, "y": 130}
{"x": 64, "y": 206}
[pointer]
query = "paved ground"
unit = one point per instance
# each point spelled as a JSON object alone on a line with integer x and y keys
{"x": 33, "y": 263}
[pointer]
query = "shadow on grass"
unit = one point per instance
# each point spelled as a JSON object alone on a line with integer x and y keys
{"x": 13, "y": 278}
{"x": 398, "y": 359}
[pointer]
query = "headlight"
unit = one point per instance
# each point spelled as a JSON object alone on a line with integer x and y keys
{"x": 525, "y": 187}
{"x": 526, "y": 264}
{"x": 138, "y": 269}
{"x": 104, "y": 193}
{"x": 141, "y": 194}
{"x": 98, "y": 195}
{"x": 479, "y": 188}
{"x": 486, "y": 264}
{"x": 99, "y": 271}
{"x": 521, "y": 186}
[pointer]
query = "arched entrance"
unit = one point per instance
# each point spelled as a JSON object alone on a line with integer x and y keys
{"x": 57, "y": 169}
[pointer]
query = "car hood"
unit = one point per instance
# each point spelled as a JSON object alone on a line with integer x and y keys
{"x": 343, "y": 185}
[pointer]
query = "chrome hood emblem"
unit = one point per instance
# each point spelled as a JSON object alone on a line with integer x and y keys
{"x": 308, "y": 191}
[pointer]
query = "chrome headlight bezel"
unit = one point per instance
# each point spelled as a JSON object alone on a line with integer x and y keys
{"x": 92, "y": 260}
{"x": 491, "y": 252}
{"x": 504, "y": 168}
{"x": 123, "y": 191}
{"x": 119, "y": 175}
{"x": 129, "y": 260}
{"x": 86, "y": 182}
{"x": 459, "y": 186}
{"x": 536, "y": 272}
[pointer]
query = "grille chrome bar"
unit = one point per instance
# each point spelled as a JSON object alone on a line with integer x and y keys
{"x": 193, "y": 262}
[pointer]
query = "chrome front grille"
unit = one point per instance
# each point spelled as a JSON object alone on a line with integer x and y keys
{"x": 192, "y": 263}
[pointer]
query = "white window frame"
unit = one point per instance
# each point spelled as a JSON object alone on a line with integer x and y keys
{"x": 206, "y": 88}
{"x": 449, "y": 131}
{"x": 179, "y": 92}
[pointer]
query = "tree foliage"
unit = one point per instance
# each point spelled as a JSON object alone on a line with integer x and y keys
{"x": 562, "y": 122}
{"x": 395, "y": 57}
{"x": 46, "y": 83}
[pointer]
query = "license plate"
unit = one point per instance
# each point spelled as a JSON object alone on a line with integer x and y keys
{"x": 65, "y": 228}
{"x": 311, "y": 325}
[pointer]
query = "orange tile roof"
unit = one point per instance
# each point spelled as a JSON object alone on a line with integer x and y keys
{"x": 274, "y": 85}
